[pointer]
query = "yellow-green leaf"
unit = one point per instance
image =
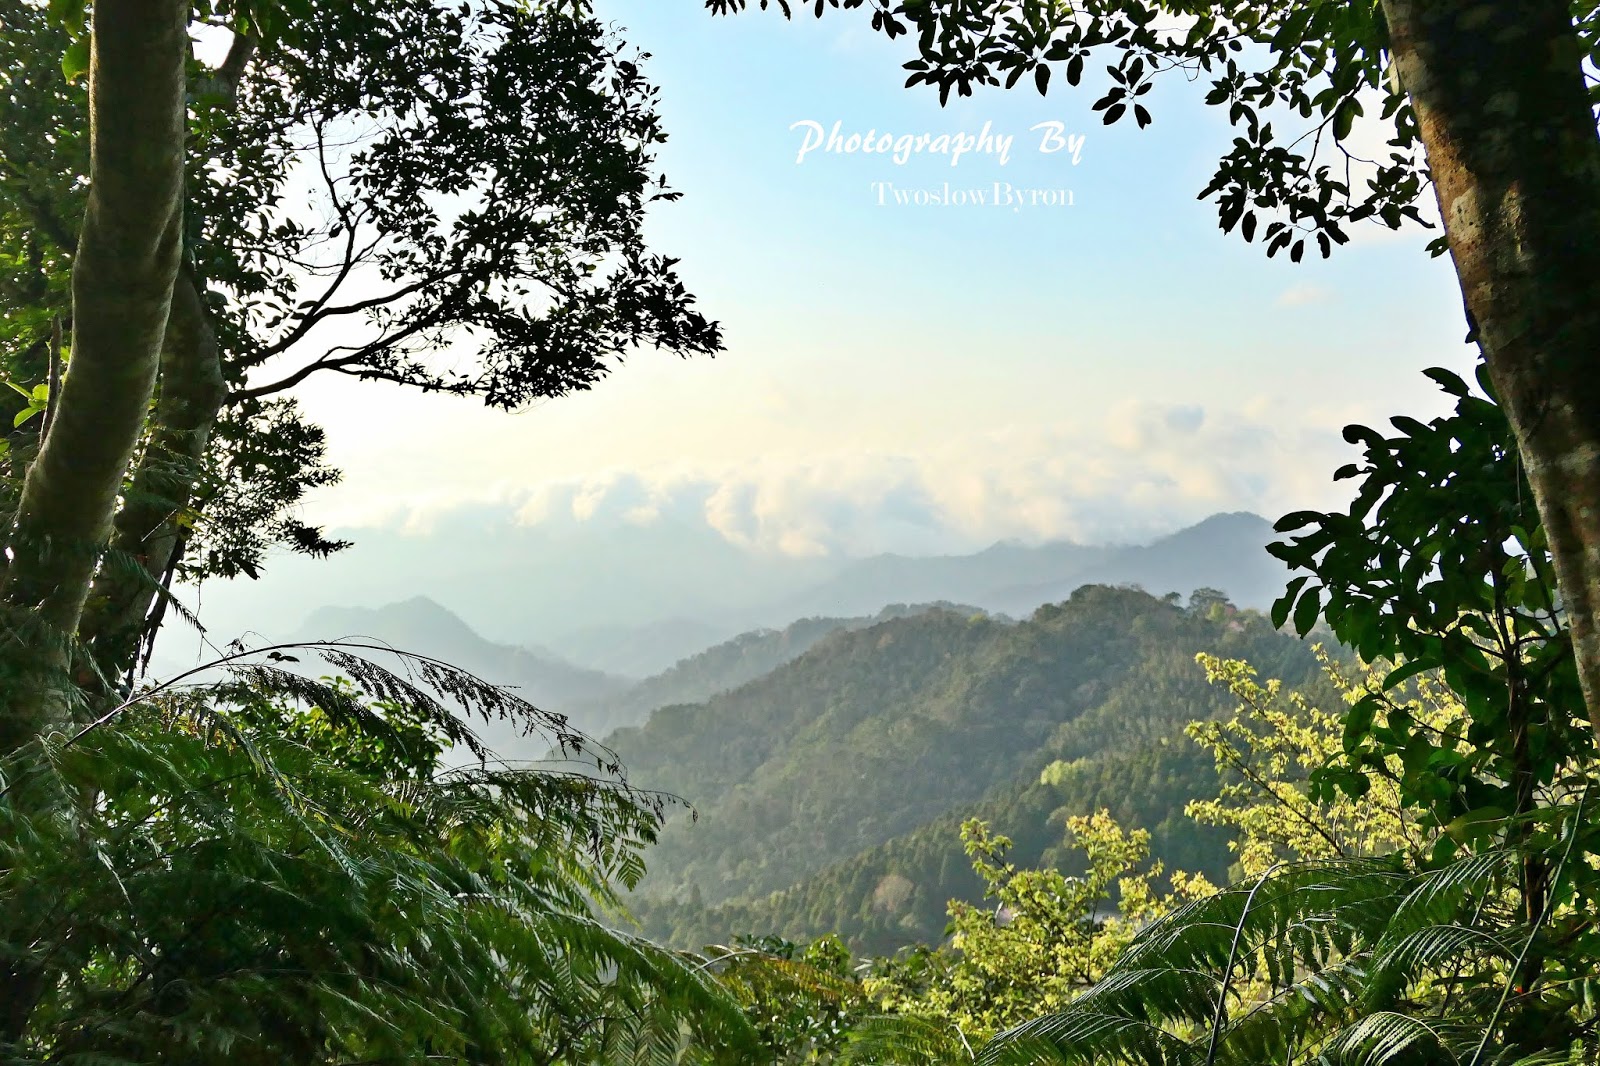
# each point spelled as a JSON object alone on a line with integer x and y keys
{"x": 75, "y": 61}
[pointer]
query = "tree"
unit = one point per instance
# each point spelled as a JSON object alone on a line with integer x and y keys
{"x": 1267, "y": 752}
{"x": 801, "y": 998}
{"x": 125, "y": 269}
{"x": 1039, "y": 939}
{"x": 477, "y": 178}
{"x": 1469, "y": 939}
{"x": 1441, "y": 563}
{"x": 1487, "y": 101}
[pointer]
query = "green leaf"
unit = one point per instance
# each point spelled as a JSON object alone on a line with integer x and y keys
{"x": 1280, "y": 608}
{"x": 1447, "y": 381}
{"x": 75, "y": 61}
{"x": 68, "y": 14}
{"x": 1358, "y": 722}
{"x": 1307, "y": 611}
{"x": 1345, "y": 117}
{"x": 1406, "y": 672}
{"x": 1475, "y": 824}
{"x": 1296, "y": 520}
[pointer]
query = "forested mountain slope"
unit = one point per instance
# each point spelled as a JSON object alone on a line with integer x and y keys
{"x": 875, "y": 734}
{"x": 733, "y": 663}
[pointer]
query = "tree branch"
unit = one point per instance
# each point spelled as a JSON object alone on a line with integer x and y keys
{"x": 224, "y": 81}
{"x": 342, "y": 364}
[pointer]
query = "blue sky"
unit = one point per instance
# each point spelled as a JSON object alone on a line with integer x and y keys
{"x": 927, "y": 379}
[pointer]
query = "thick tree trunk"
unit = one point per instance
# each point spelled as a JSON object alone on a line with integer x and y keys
{"x": 1504, "y": 113}
{"x": 122, "y": 283}
{"x": 149, "y": 527}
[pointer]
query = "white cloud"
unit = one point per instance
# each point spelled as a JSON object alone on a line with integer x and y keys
{"x": 1139, "y": 471}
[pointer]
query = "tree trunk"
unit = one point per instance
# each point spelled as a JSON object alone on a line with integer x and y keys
{"x": 149, "y": 527}
{"x": 122, "y": 281}
{"x": 1504, "y": 114}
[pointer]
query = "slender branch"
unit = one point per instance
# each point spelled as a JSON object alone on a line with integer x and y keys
{"x": 342, "y": 364}
{"x": 316, "y": 314}
{"x": 54, "y": 379}
{"x": 1233, "y": 757}
{"x": 240, "y": 395}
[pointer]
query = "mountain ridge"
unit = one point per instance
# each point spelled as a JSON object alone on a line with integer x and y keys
{"x": 876, "y": 731}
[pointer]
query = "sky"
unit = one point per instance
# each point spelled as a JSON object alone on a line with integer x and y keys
{"x": 924, "y": 378}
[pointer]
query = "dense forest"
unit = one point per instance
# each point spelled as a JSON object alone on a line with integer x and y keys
{"x": 830, "y": 793}
{"x": 726, "y": 666}
{"x": 1126, "y": 828}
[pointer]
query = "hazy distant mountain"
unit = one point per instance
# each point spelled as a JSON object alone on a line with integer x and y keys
{"x": 734, "y": 662}
{"x": 865, "y": 586}
{"x": 605, "y": 600}
{"x": 422, "y": 625}
{"x": 520, "y": 583}
{"x": 638, "y": 650}
{"x": 1226, "y": 551}
{"x": 635, "y": 599}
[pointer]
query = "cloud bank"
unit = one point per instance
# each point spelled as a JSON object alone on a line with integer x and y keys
{"x": 1140, "y": 471}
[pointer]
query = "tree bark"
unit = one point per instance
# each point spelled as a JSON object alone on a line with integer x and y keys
{"x": 1505, "y": 117}
{"x": 122, "y": 282}
{"x": 149, "y": 529}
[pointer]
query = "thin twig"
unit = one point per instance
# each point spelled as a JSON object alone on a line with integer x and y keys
{"x": 49, "y": 416}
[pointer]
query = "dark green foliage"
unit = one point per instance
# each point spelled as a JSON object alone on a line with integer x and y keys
{"x": 233, "y": 873}
{"x": 535, "y": 118}
{"x": 1355, "y": 961}
{"x": 371, "y": 183}
{"x": 802, "y": 999}
{"x": 1441, "y": 562}
{"x": 1482, "y": 951}
{"x": 830, "y": 793}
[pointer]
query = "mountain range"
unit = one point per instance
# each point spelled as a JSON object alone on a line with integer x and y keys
{"x": 829, "y": 794}
{"x": 614, "y": 675}
{"x": 831, "y": 754}
{"x": 1226, "y": 552}
{"x": 596, "y": 702}
{"x": 633, "y": 602}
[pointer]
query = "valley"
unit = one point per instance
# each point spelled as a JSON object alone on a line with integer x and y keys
{"x": 830, "y": 761}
